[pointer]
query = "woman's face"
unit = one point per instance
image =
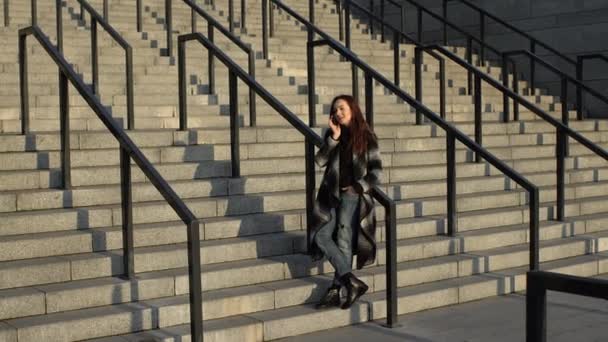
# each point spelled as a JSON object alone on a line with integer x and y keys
{"x": 343, "y": 112}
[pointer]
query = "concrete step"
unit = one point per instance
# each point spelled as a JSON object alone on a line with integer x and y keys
{"x": 64, "y": 297}
{"x": 20, "y": 247}
{"x": 57, "y": 220}
{"x": 170, "y": 309}
{"x": 249, "y": 329}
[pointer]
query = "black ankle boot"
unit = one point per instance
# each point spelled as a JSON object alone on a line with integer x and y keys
{"x": 355, "y": 288}
{"x": 331, "y": 298}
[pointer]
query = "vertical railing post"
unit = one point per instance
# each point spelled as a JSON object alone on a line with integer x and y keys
{"x": 355, "y": 81}
{"x": 193, "y": 20}
{"x": 234, "y": 125}
{"x": 402, "y": 13}
{"x": 211, "y": 60}
{"x": 369, "y": 99}
{"x": 536, "y": 310}
{"x": 564, "y": 105}
{"x": 482, "y": 35}
{"x": 340, "y": 20}
{"x": 138, "y": 10}
{"x": 516, "y": 91}
{"x": 442, "y": 91}
{"x": 505, "y": 82}
{"x": 59, "y": 19}
{"x": 23, "y": 86}
{"x": 534, "y": 230}
{"x": 34, "y": 12}
{"x": 127, "y": 215}
{"x": 391, "y": 264}
{"x": 370, "y": 19}
{"x": 243, "y": 17}
{"x": 94, "y": 57}
{"x": 6, "y": 13}
{"x": 231, "y": 15}
{"x": 265, "y": 28}
{"x": 478, "y": 121}
{"x": 347, "y": 23}
{"x": 64, "y": 122}
{"x": 311, "y": 11}
{"x": 195, "y": 283}
{"x": 579, "y": 90}
{"x": 271, "y": 19}
{"x": 181, "y": 75}
{"x": 561, "y": 140}
{"x": 372, "y": 10}
{"x": 310, "y": 188}
{"x": 81, "y": 16}
{"x": 451, "y": 183}
{"x": 396, "y": 57}
{"x": 169, "y": 23}
{"x": 310, "y": 63}
{"x": 106, "y": 11}
{"x": 469, "y": 57}
{"x": 444, "y": 7}
{"x": 418, "y": 80}
{"x": 419, "y": 21}
{"x": 252, "y": 104}
{"x": 532, "y": 68}
{"x": 382, "y": 33}
{"x": 129, "y": 90}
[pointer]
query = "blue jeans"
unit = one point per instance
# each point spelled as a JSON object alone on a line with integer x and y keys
{"x": 340, "y": 252}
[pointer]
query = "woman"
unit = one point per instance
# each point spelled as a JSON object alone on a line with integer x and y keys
{"x": 344, "y": 222}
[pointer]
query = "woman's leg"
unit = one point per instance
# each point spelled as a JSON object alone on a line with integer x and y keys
{"x": 348, "y": 219}
{"x": 349, "y": 224}
{"x": 326, "y": 244}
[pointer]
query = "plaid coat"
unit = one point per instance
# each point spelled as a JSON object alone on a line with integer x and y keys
{"x": 367, "y": 172}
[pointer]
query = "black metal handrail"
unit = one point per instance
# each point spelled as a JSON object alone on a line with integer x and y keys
{"x": 533, "y": 43}
{"x": 580, "y": 62}
{"x": 420, "y": 11}
{"x": 312, "y": 139}
{"x": 483, "y": 13}
{"x": 537, "y": 284}
{"x": 231, "y": 21}
{"x": 453, "y": 134}
{"x": 212, "y": 25}
{"x": 372, "y": 10}
{"x": 565, "y": 78}
{"x": 128, "y": 151}
{"x": 6, "y": 13}
{"x": 105, "y": 8}
{"x": 399, "y": 35}
{"x": 95, "y": 19}
{"x": 469, "y": 37}
{"x": 563, "y": 131}
{"x": 58, "y": 23}
{"x": 505, "y": 61}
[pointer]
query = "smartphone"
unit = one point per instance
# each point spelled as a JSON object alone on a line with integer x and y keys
{"x": 334, "y": 119}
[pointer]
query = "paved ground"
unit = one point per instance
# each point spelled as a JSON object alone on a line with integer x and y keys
{"x": 502, "y": 319}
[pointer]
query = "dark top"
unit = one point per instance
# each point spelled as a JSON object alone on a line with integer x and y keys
{"x": 346, "y": 159}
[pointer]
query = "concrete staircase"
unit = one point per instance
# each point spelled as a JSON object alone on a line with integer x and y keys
{"x": 60, "y": 254}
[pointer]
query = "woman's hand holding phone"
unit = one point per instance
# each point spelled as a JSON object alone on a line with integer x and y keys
{"x": 336, "y": 130}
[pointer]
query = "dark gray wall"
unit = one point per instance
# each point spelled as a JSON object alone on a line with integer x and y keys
{"x": 573, "y": 27}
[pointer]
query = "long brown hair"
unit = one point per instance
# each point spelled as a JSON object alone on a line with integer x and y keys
{"x": 360, "y": 132}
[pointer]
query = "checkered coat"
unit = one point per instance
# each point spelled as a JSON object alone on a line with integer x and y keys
{"x": 367, "y": 173}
